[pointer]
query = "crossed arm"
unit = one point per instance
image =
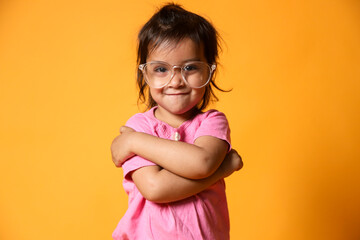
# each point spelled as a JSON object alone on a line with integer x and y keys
{"x": 183, "y": 169}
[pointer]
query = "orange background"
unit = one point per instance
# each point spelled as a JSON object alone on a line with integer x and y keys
{"x": 67, "y": 85}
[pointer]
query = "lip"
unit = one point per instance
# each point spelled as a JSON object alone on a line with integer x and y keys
{"x": 176, "y": 94}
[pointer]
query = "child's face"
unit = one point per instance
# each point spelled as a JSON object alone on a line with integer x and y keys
{"x": 177, "y": 98}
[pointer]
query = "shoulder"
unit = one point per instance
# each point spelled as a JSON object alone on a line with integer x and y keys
{"x": 213, "y": 123}
{"x": 135, "y": 119}
{"x": 212, "y": 116}
{"x": 141, "y": 122}
{"x": 211, "y": 119}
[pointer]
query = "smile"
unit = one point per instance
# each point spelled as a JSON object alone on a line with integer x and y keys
{"x": 175, "y": 94}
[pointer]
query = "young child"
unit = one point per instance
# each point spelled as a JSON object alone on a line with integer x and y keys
{"x": 175, "y": 156}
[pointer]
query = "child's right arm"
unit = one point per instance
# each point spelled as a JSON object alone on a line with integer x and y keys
{"x": 195, "y": 161}
{"x": 159, "y": 185}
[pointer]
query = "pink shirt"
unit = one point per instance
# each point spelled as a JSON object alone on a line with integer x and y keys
{"x": 202, "y": 216}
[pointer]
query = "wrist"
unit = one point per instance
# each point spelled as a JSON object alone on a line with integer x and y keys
{"x": 131, "y": 142}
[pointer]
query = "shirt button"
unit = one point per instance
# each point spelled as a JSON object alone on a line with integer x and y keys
{"x": 176, "y": 136}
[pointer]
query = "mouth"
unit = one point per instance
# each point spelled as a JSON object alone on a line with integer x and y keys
{"x": 177, "y": 94}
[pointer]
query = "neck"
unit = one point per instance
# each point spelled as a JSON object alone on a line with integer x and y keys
{"x": 174, "y": 120}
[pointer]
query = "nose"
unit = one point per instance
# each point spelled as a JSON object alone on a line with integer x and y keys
{"x": 177, "y": 79}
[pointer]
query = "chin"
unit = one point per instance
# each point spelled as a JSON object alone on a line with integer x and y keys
{"x": 180, "y": 111}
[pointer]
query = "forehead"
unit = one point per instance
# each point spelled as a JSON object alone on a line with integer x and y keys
{"x": 176, "y": 50}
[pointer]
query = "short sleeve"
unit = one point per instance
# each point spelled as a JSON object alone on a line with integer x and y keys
{"x": 139, "y": 123}
{"x": 215, "y": 124}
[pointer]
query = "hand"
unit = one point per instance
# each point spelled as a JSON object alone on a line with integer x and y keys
{"x": 120, "y": 147}
{"x": 231, "y": 163}
{"x": 125, "y": 129}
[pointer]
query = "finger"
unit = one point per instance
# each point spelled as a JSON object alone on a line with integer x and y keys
{"x": 234, "y": 151}
{"x": 125, "y": 129}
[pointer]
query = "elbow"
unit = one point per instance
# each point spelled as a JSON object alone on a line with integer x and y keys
{"x": 150, "y": 194}
{"x": 152, "y": 185}
{"x": 210, "y": 165}
{"x": 153, "y": 192}
{"x": 205, "y": 168}
{"x": 206, "y": 172}
{"x": 156, "y": 199}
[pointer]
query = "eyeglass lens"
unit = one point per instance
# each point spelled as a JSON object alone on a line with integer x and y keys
{"x": 158, "y": 74}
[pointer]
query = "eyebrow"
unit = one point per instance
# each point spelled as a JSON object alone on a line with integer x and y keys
{"x": 183, "y": 62}
{"x": 192, "y": 59}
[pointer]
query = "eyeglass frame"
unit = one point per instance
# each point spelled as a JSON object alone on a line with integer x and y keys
{"x": 212, "y": 68}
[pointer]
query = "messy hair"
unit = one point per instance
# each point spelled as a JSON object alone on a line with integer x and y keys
{"x": 172, "y": 24}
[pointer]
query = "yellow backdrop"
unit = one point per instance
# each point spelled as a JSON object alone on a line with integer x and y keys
{"x": 67, "y": 85}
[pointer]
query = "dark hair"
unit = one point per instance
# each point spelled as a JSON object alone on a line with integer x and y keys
{"x": 173, "y": 23}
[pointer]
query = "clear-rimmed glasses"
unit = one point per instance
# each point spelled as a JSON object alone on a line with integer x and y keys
{"x": 158, "y": 74}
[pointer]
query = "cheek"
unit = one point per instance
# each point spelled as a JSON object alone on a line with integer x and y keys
{"x": 154, "y": 93}
{"x": 200, "y": 93}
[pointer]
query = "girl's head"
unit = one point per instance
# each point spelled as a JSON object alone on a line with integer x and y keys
{"x": 168, "y": 29}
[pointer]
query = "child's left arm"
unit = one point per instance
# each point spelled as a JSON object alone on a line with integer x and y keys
{"x": 159, "y": 185}
{"x": 194, "y": 161}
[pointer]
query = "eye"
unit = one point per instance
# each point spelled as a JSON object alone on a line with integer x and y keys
{"x": 160, "y": 69}
{"x": 191, "y": 67}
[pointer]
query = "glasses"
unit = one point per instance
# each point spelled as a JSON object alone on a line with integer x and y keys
{"x": 159, "y": 74}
